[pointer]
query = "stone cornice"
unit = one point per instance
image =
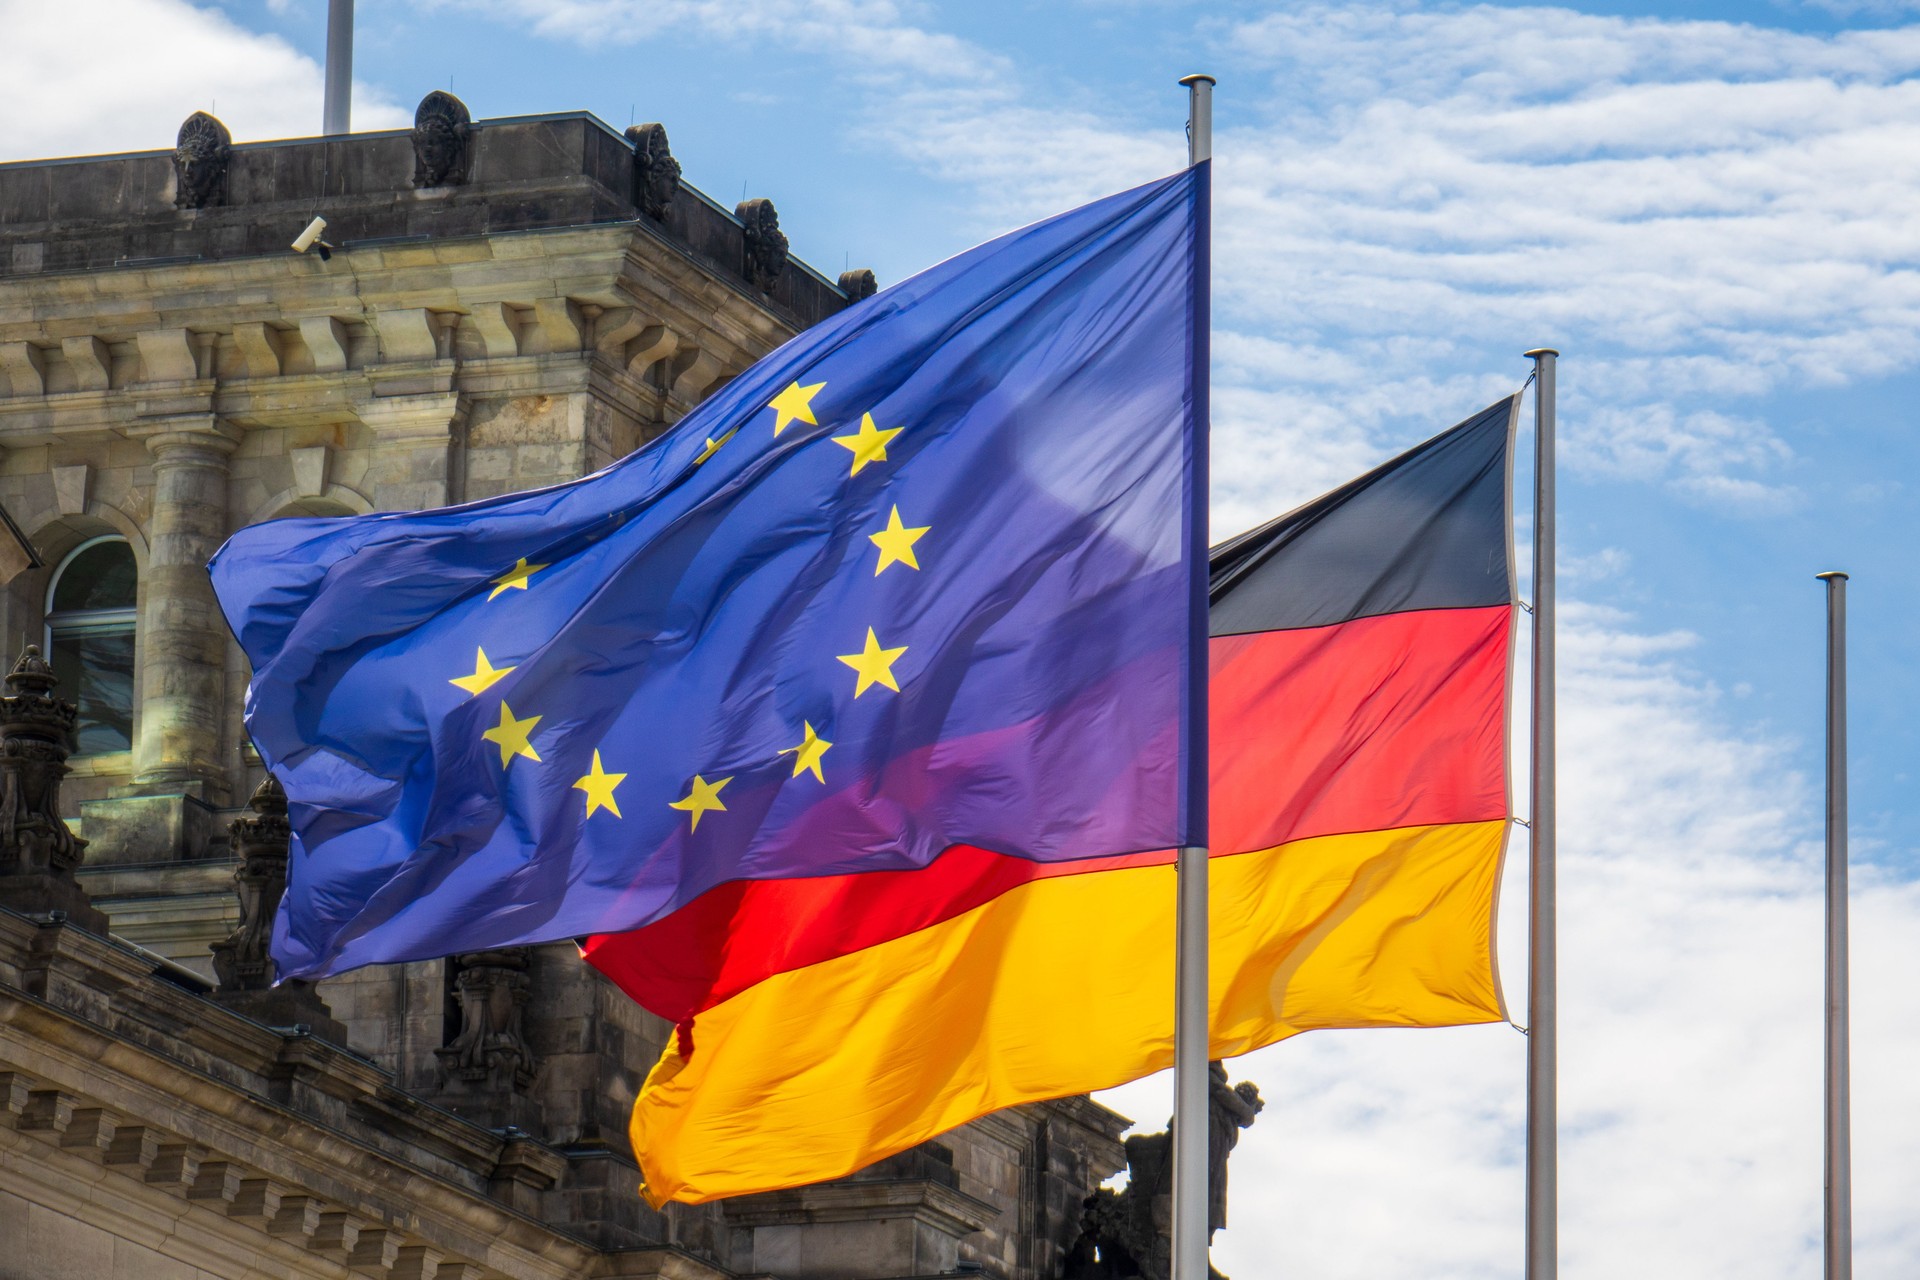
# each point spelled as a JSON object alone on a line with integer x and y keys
{"x": 940, "y": 1207}
{"x": 97, "y": 1050}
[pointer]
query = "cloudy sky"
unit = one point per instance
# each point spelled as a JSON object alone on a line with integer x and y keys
{"x": 1709, "y": 208}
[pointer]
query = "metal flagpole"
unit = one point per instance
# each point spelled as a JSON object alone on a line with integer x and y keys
{"x": 339, "y": 98}
{"x": 1839, "y": 1172}
{"x": 1190, "y": 1038}
{"x": 1543, "y": 1253}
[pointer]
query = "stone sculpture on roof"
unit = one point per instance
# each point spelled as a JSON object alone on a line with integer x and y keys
{"x": 200, "y": 162}
{"x": 766, "y": 243}
{"x": 656, "y": 174}
{"x": 442, "y": 139}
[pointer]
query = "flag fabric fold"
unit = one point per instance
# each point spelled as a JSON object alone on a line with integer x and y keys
{"x": 1359, "y": 677}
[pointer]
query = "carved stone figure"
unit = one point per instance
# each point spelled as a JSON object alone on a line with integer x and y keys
{"x": 858, "y": 284}
{"x": 656, "y": 174}
{"x": 200, "y": 156}
{"x": 1128, "y": 1234}
{"x": 442, "y": 141}
{"x": 242, "y": 960}
{"x": 491, "y": 1044}
{"x": 36, "y": 735}
{"x": 38, "y": 853}
{"x": 766, "y": 244}
{"x": 1230, "y": 1108}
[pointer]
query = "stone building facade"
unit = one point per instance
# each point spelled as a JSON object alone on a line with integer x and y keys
{"x": 492, "y": 306}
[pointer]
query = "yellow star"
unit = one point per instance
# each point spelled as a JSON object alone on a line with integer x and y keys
{"x": 599, "y": 787}
{"x": 874, "y": 664}
{"x": 869, "y": 444}
{"x": 701, "y": 797}
{"x": 713, "y": 446}
{"x": 515, "y": 577}
{"x": 512, "y": 735}
{"x": 485, "y": 674}
{"x": 807, "y": 754}
{"x": 795, "y": 404}
{"x": 896, "y": 543}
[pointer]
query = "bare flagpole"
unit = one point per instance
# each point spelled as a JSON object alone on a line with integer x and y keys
{"x": 1543, "y": 1019}
{"x": 338, "y": 107}
{"x": 1839, "y": 1171}
{"x": 1190, "y": 1031}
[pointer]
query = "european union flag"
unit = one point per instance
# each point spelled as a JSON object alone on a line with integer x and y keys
{"x": 923, "y": 577}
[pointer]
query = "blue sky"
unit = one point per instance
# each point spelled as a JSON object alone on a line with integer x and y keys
{"x": 1708, "y": 207}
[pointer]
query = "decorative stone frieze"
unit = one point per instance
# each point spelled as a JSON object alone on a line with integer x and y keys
{"x": 766, "y": 244}
{"x": 442, "y": 141}
{"x": 656, "y": 174}
{"x": 38, "y": 854}
{"x": 200, "y": 158}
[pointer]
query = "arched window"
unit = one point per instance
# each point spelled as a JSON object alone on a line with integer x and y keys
{"x": 90, "y": 640}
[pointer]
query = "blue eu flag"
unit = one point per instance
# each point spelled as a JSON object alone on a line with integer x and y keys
{"x": 923, "y": 577}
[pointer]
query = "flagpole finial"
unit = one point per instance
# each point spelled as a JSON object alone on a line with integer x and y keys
{"x": 1832, "y": 575}
{"x": 1198, "y": 77}
{"x": 1537, "y": 352}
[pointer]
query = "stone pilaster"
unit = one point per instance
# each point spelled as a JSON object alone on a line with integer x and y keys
{"x": 413, "y": 466}
{"x": 184, "y": 640}
{"x": 242, "y": 960}
{"x": 37, "y": 852}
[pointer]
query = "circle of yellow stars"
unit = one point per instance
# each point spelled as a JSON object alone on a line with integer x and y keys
{"x": 872, "y": 665}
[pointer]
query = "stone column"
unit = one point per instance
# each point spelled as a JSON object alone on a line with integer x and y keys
{"x": 183, "y": 638}
{"x": 38, "y": 853}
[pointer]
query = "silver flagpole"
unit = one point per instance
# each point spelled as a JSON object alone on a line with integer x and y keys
{"x": 1543, "y": 1032}
{"x": 1190, "y": 1038}
{"x": 1839, "y": 1179}
{"x": 338, "y": 106}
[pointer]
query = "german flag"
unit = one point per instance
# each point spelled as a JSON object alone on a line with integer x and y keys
{"x": 1359, "y": 674}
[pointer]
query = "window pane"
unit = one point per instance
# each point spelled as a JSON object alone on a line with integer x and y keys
{"x": 96, "y": 671}
{"x": 101, "y": 577}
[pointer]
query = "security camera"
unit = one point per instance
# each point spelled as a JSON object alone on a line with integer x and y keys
{"x": 310, "y": 239}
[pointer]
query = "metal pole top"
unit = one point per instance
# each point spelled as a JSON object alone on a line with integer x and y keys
{"x": 1537, "y": 352}
{"x": 1199, "y": 77}
{"x": 1832, "y": 574}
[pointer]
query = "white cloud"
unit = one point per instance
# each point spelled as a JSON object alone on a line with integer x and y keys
{"x": 140, "y": 67}
{"x": 1697, "y": 212}
{"x": 1690, "y": 998}
{"x": 868, "y": 39}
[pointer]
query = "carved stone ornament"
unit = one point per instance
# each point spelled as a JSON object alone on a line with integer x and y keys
{"x": 491, "y": 1046}
{"x": 1128, "y": 1234}
{"x": 38, "y": 853}
{"x": 859, "y": 284}
{"x": 656, "y": 174}
{"x": 36, "y": 736}
{"x": 766, "y": 244}
{"x": 242, "y": 960}
{"x": 442, "y": 141}
{"x": 200, "y": 162}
